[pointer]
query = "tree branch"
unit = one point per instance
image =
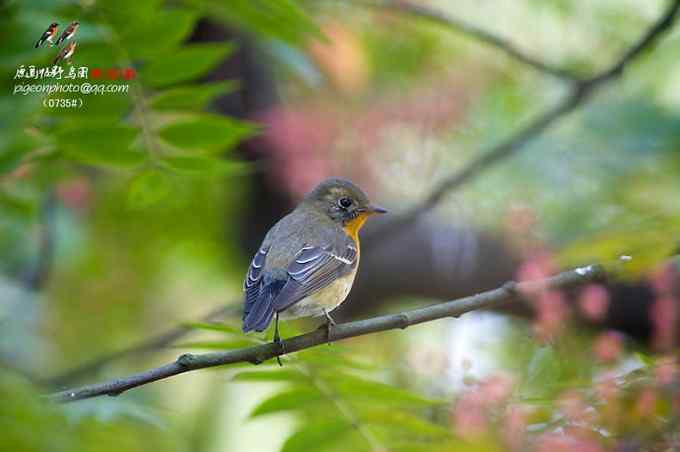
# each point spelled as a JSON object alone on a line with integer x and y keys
{"x": 260, "y": 353}
{"x": 439, "y": 17}
{"x": 147, "y": 345}
{"x": 581, "y": 92}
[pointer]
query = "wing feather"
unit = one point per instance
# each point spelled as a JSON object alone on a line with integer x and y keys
{"x": 272, "y": 290}
{"x": 313, "y": 269}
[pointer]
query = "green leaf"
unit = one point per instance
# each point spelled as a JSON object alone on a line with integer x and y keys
{"x": 279, "y": 19}
{"x": 330, "y": 357}
{"x": 100, "y": 144}
{"x": 165, "y": 29}
{"x": 149, "y": 188}
{"x": 221, "y": 327}
{"x": 316, "y": 436}
{"x": 11, "y": 158}
{"x": 191, "y": 97}
{"x": 185, "y": 63}
{"x": 95, "y": 55}
{"x": 402, "y": 422}
{"x": 275, "y": 375}
{"x": 217, "y": 345}
{"x": 15, "y": 206}
{"x": 293, "y": 399}
{"x": 355, "y": 387}
{"x": 209, "y": 132}
{"x": 206, "y": 165}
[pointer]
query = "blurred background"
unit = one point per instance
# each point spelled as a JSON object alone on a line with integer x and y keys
{"x": 127, "y": 224}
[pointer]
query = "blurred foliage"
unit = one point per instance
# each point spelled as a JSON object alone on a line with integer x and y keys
{"x": 150, "y": 194}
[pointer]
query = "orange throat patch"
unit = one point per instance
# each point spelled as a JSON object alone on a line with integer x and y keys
{"x": 352, "y": 228}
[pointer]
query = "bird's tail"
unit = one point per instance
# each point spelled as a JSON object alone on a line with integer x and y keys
{"x": 39, "y": 42}
{"x": 258, "y": 313}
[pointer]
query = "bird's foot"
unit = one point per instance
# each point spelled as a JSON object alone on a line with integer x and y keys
{"x": 282, "y": 349}
{"x": 330, "y": 323}
{"x": 278, "y": 341}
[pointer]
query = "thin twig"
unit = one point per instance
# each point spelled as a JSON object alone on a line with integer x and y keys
{"x": 157, "y": 342}
{"x": 260, "y": 353}
{"x": 580, "y": 93}
{"x": 433, "y": 15}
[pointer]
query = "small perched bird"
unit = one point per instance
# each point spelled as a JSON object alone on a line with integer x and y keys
{"x": 69, "y": 32}
{"x": 48, "y": 36}
{"x": 306, "y": 264}
{"x": 66, "y": 53}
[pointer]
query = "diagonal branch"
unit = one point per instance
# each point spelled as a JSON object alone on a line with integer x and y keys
{"x": 147, "y": 345}
{"x": 189, "y": 362}
{"x": 581, "y": 92}
{"x": 430, "y": 14}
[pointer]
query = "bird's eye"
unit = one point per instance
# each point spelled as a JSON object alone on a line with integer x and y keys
{"x": 345, "y": 202}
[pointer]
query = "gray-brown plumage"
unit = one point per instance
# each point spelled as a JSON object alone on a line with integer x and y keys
{"x": 48, "y": 35}
{"x": 308, "y": 260}
{"x": 69, "y": 32}
{"x": 66, "y": 53}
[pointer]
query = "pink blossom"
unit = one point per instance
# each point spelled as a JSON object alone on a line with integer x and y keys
{"x": 676, "y": 402}
{"x": 554, "y": 442}
{"x": 663, "y": 279}
{"x": 496, "y": 388}
{"x": 539, "y": 266}
{"x": 665, "y": 370}
{"x": 514, "y": 426}
{"x": 573, "y": 406}
{"x": 469, "y": 417}
{"x": 608, "y": 346}
{"x": 594, "y": 302}
{"x": 551, "y": 314}
{"x": 607, "y": 389}
{"x": 471, "y": 410}
{"x": 75, "y": 193}
{"x": 645, "y": 405}
{"x": 300, "y": 141}
{"x": 663, "y": 314}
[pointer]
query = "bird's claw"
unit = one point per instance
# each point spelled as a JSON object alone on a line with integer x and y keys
{"x": 278, "y": 341}
{"x": 330, "y": 323}
{"x": 282, "y": 349}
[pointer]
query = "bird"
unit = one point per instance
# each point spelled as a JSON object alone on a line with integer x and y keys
{"x": 306, "y": 264}
{"x": 66, "y": 53}
{"x": 48, "y": 35}
{"x": 68, "y": 32}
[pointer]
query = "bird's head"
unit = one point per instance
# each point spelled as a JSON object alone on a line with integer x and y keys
{"x": 54, "y": 25}
{"x": 75, "y": 23}
{"x": 343, "y": 202}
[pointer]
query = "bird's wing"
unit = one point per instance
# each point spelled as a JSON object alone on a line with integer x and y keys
{"x": 314, "y": 268}
{"x": 64, "y": 34}
{"x": 42, "y": 38}
{"x": 251, "y": 283}
{"x": 260, "y": 290}
{"x": 60, "y": 55}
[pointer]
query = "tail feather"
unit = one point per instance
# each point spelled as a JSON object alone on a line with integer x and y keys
{"x": 259, "y": 310}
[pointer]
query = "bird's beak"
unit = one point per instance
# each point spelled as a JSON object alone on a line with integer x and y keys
{"x": 376, "y": 209}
